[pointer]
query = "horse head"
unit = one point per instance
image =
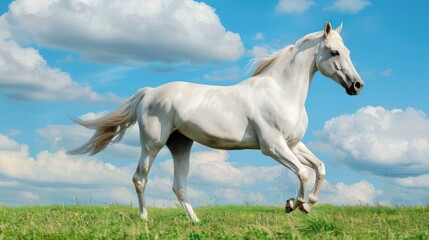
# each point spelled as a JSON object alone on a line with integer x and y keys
{"x": 333, "y": 61}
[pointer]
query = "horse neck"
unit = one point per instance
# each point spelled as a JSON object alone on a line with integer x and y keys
{"x": 294, "y": 71}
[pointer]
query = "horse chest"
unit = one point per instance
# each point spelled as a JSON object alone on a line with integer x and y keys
{"x": 298, "y": 131}
{"x": 293, "y": 125}
{"x": 289, "y": 120}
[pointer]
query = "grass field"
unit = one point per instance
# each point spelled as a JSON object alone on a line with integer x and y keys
{"x": 230, "y": 222}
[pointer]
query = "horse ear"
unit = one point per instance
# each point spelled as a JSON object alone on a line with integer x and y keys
{"x": 328, "y": 28}
{"x": 339, "y": 28}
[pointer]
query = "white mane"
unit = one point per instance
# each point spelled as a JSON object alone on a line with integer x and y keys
{"x": 266, "y": 61}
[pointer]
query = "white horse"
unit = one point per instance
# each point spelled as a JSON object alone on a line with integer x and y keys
{"x": 264, "y": 112}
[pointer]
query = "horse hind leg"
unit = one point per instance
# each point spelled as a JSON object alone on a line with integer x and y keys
{"x": 140, "y": 178}
{"x": 149, "y": 151}
{"x": 180, "y": 148}
{"x": 155, "y": 128}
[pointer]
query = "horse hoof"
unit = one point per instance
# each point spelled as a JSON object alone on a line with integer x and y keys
{"x": 143, "y": 216}
{"x": 305, "y": 208}
{"x": 289, "y": 205}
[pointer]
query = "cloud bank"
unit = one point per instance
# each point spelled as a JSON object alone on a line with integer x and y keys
{"x": 130, "y": 31}
{"x": 294, "y": 6}
{"x": 384, "y": 142}
{"x": 349, "y": 6}
{"x": 54, "y": 177}
{"x": 25, "y": 75}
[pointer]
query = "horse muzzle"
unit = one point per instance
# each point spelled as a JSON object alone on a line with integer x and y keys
{"x": 355, "y": 88}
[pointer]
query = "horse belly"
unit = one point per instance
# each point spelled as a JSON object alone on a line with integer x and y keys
{"x": 219, "y": 134}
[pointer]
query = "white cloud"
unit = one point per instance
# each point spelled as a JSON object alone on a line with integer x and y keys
{"x": 14, "y": 132}
{"x": 406, "y": 191}
{"x": 58, "y": 167}
{"x": 62, "y": 137}
{"x": 258, "y": 51}
{"x": 67, "y": 59}
{"x": 213, "y": 169}
{"x": 421, "y": 181}
{"x": 7, "y": 144}
{"x": 110, "y": 75}
{"x": 28, "y": 196}
{"x": 91, "y": 115}
{"x": 25, "y": 75}
{"x": 384, "y": 142}
{"x": 8, "y": 183}
{"x": 361, "y": 192}
{"x": 387, "y": 73}
{"x": 259, "y": 36}
{"x": 233, "y": 73}
{"x": 161, "y": 188}
{"x": 67, "y": 137}
{"x": 237, "y": 196}
{"x": 234, "y": 185}
{"x": 54, "y": 177}
{"x": 349, "y": 6}
{"x": 130, "y": 31}
{"x": 294, "y": 6}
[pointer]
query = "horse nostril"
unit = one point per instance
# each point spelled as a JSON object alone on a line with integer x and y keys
{"x": 357, "y": 85}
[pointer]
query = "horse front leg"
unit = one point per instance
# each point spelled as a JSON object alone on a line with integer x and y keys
{"x": 279, "y": 151}
{"x": 319, "y": 169}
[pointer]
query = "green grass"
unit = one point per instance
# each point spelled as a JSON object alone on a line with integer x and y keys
{"x": 230, "y": 222}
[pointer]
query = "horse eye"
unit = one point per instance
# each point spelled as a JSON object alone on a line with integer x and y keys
{"x": 335, "y": 53}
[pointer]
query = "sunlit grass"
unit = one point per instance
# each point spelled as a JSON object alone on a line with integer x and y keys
{"x": 229, "y": 222}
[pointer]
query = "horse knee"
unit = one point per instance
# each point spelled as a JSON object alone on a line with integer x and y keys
{"x": 303, "y": 175}
{"x": 321, "y": 170}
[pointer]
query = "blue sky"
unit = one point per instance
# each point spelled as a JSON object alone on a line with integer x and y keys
{"x": 82, "y": 58}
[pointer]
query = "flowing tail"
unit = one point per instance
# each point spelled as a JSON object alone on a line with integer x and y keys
{"x": 110, "y": 127}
